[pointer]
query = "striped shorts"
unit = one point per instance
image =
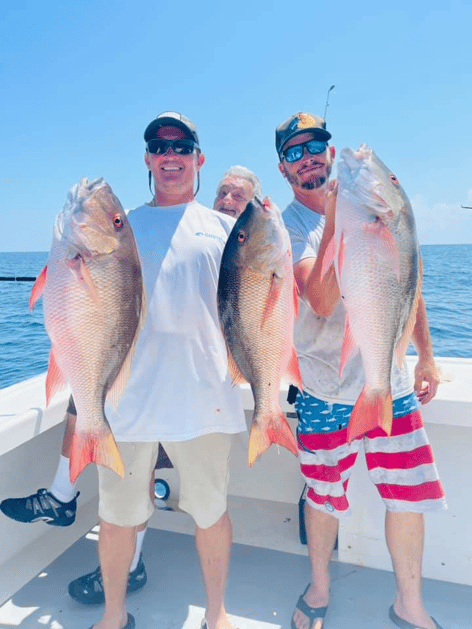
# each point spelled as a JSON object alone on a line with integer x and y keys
{"x": 401, "y": 466}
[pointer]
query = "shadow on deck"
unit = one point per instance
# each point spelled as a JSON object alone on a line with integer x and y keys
{"x": 262, "y": 590}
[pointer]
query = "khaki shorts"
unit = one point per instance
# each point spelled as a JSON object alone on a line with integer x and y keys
{"x": 202, "y": 464}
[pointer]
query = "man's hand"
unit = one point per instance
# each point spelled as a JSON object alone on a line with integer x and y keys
{"x": 426, "y": 380}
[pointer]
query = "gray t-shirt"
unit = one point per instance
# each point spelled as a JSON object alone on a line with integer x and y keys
{"x": 318, "y": 340}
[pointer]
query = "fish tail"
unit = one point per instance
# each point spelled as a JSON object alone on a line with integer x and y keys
{"x": 277, "y": 430}
{"x": 94, "y": 447}
{"x": 371, "y": 411}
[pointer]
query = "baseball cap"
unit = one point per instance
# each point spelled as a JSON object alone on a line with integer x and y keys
{"x": 300, "y": 122}
{"x": 171, "y": 119}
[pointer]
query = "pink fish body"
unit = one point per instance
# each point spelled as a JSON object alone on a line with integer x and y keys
{"x": 378, "y": 266}
{"x": 257, "y": 303}
{"x": 93, "y": 304}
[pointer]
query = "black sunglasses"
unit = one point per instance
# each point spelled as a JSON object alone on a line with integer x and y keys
{"x": 294, "y": 153}
{"x": 180, "y": 147}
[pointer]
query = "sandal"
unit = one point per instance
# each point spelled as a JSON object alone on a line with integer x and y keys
{"x": 404, "y": 624}
{"x": 313, "y": 613}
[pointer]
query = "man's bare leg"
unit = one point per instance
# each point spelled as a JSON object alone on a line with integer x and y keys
{"x": 321, "y": 530}
{"x": 404, "y": 533}
{"x": 116, "y": 550}
{"x": 214, "y": 549}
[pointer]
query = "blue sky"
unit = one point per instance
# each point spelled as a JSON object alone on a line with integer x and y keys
{"x": 81, "y": 80}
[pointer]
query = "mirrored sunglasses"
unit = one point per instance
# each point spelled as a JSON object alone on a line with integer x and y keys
{"x": 294, "y": 153}
{"x": 159, "y": 146}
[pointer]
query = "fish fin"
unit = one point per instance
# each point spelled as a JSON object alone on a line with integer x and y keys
{"x": 349, "y": 346}
{"x": 82, "y": 274}
{"x": 328, "y": 257}
{"x": 295, "y": 300}
{"x": 234, "y": 371}
{"x": 272, "y": 298}
{"x": 116, "y": 390}
{"x": 94, "y": 447}
{"x": 38, "y": 287}
{"x": 371, "y": 411}
{"x": 341, "y": 253}
{"x": 385, "y": 246}
{"x": 403, "y": 343}
{"x": 293, "y": 370}
{"x": 55, "y": 380}
{"x": 277, "y": 430}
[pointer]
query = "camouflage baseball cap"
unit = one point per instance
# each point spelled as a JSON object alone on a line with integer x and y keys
{"x": 300, "y": 123}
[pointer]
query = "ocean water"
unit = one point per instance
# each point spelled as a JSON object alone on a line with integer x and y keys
{"x": 24, "y": 344}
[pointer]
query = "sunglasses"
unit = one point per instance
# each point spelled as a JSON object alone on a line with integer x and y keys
{"x": 179, "y": 147}
{"x": 294, "y": 153}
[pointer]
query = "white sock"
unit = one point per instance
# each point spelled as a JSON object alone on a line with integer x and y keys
{"x": 139, "y": 544}
{"x": 61, "y": 486}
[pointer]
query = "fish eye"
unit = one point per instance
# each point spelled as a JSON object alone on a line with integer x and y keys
{"x": 241, "y": 237}
{"x": 117, "y": 222}
{"x": 394, "y": 180}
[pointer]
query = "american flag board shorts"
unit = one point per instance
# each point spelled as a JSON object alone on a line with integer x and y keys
{"x": 401, "y": 466}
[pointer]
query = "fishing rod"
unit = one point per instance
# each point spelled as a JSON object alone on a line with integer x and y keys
{"x": 15, "y": 278}
{"x": 327, "y": 99}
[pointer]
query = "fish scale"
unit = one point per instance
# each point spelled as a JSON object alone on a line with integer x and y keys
{"x": 376, "y": 256}
{"x": 256, "y": 306}
{"x": 94, "y": 306}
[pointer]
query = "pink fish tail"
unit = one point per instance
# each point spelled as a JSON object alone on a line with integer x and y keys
{"x": 277, "y": 430}
{"x": 371, "y": 411}
{"x": 94, "y": 447}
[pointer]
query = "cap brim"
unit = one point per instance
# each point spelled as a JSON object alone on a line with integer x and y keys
{"x": 155, "y": 125}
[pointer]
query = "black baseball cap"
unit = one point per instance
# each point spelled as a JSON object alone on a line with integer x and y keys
{"x": 300, "y": 122}
{"x": 171, "y": 119}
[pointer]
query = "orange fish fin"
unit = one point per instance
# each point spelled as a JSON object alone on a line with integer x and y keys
{"x": 55, "y": 380}
{"x": 370, "y": 412}
{"x": 349, "y": 346}
{"x": 277, "y": 430}
{"x": 328, "y": 257}
{"x": 272, "y": 298}
{"x": 94, "y": 447}
{"x": 234, "y": 371}
{"x": 82, "y": 274}
{"x": 404, "y": 341}
{"x": 292, "y": 373}
{"x": 38, "y": 287}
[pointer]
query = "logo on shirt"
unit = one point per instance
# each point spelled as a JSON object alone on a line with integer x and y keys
{"x": 214, "y": 236}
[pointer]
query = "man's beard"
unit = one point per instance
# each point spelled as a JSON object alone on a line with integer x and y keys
{"x": 316, "y": 181}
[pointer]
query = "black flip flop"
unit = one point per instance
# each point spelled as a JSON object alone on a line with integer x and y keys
{"x": 404, "y": 624}
{"x": 313, "y": 613}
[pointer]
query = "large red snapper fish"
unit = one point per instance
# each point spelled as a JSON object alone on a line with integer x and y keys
{"x": 257, "y": 303}
{"x": 378, "y": 266}
{"x": 93, "y": 302}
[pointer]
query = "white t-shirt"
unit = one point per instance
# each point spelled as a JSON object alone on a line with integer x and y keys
{"x": 318, "y": 340}
{"x": 179, "y": 386}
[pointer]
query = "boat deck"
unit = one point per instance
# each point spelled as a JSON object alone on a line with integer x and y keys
{"x": 264, "y": 583}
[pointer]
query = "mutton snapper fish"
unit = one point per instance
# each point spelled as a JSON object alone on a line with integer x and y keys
{"x": 257, "y": 303}
{"x": 378, "y": 266}
{"x": 93, "y": 301}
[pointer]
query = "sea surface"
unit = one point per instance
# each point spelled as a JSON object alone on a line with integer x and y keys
{"x": 24, "y": 344}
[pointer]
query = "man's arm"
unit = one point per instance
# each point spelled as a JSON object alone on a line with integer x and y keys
{"x": 426, "y": 372}
{"x": 322, "y": 295}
